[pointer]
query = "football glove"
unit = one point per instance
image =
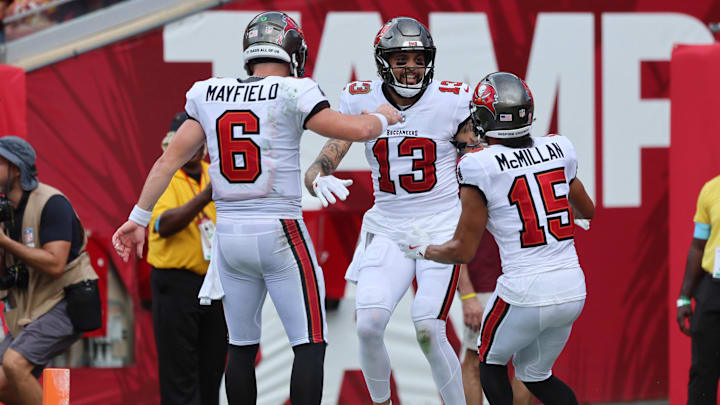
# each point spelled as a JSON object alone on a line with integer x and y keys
{"x": 583, "y": 223}
{"x": 414, "y": 243}
{"x": 327, "y": 187}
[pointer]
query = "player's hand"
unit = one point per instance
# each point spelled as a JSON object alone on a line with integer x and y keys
{"x": 472, "y": 313}
{"x": 583, "y": 223}
{"x": 126, "y": 237}
{"x": 684, "y": 312}
{"x": 391, "y": 113}
{"x": 414, "y": 244}
{"x": 327, "y": 187}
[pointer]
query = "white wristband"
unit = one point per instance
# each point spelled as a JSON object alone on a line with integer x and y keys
{"x": 383, "y": 121}
{"x": 140, "y": 216}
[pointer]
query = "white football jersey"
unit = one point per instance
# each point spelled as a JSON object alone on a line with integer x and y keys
{"x": 253, "y": 130}
{"x": 530, "y": 217}
{"x": 413, "y": 162}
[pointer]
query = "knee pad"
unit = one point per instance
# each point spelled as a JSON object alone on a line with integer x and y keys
{"x": 428, "y": 330}
{"x": 371, "y": 323}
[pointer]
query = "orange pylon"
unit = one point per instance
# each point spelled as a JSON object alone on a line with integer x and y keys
{"x": 56, "y": 386}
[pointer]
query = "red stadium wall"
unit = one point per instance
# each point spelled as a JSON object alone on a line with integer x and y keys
{"x": 690, "y": 169}
{"x": 97, "y": 119}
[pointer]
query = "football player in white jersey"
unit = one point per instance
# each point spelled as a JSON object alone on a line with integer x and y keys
{"x": 413, "y": 172}
{"x": 526, "y": 191}
{"x": 252, "y": 128}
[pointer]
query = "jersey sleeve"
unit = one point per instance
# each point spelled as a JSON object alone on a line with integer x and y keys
{"x": 345, "y": 102}
{"x": 702, "y": 213}
{"x": 310, "y": 100}
{"x": 462, "y": 108}
{"x": 470, "y": 172}
{"x": 571, "y": 163}
{"x": 191, "y": 101}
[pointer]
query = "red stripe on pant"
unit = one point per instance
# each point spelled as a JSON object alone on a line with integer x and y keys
{"x": 497, "y": 313}
{"x": 447, "y": 302}
{"x": 307, "y": 272}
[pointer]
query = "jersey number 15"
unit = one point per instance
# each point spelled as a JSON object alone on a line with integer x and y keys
{"x": 533, "y": 233}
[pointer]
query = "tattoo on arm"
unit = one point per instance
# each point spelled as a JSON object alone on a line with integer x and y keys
{"x": 331, "y": 155}
{"x": 327, "y": 161}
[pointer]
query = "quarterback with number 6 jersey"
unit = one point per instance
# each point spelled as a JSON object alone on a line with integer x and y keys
{"x": 252, "y": 128}
{"x": 526, "y": 192}
{"x": 413, "y": 172}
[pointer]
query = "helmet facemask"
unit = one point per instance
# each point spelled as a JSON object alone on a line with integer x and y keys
{"x": 391, "y": 75}
{"x": 404, "y": 34}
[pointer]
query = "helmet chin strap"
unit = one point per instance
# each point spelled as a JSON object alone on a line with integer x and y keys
{"x": 406, "y": 92}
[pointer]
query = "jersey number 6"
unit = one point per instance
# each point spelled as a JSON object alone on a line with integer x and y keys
{"x": 239, "y": 157}
{"x": 533, "y": 234}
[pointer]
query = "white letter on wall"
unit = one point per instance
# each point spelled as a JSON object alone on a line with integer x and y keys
{"x": 211, "y": 36}
{"x": 562, "y": 65}
{"x": 629, "y": 123}
{"x": 462, "y": 57}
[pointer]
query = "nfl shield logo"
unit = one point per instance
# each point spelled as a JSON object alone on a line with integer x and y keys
{"x": 521, "y": 113}
{"x": 28, "y": 237}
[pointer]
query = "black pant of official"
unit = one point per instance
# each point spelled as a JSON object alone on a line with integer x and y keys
{"x": 191, "y": 339}
{"x": 705, "y": 330}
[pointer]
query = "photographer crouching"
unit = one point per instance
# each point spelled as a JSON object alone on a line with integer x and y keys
{"x": 50, "y": 287}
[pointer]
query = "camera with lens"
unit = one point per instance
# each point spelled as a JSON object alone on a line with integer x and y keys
{"x": 6, "y": 209}
{"x": 15, "y": 276}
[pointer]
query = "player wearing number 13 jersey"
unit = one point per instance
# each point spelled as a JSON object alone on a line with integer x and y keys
{"x": 526, "y": 192}
{"x": 413, "y": 173}
{"x": 260, "y": 246}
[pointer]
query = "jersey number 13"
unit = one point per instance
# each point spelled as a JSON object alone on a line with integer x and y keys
{"x": 407, "y": 147}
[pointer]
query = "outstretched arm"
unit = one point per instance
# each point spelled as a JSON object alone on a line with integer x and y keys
{"x": 327, "y": 161}
{"x": 473, "y": 219}
{"x": 188, "y": 139}
{"x": 364, "y": 127}
{"x": 580, "y": 201}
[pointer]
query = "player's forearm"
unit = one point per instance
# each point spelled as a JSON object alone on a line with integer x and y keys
{"x": 156, "y": 183}
{"x": 582, "y": 205}
{"x": 465, "y": 286}
{"x": 327, "y": 161}
{"x": 450, "y": 252}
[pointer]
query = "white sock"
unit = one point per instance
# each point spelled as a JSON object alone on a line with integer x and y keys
{"x": 444, "y": 363}
{"x": 374, "y": 359}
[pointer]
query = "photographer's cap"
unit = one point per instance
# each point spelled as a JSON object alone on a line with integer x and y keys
{"x": 177, "y": 120}
{"x": 19, "y": 152}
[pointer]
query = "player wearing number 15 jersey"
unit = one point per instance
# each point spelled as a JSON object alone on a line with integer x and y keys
{"x": 252, "y": 128}
{"x": 526, "y": 192}
{"x": 413, "y": 173}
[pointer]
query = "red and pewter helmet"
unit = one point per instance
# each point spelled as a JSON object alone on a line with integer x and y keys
{"x": 502, "y": 107}
{"x": 404, "y": 34}
{"x": 274, "y": 35}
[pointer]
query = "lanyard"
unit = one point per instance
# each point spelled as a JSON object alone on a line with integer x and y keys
{"x": 202, "y": 213}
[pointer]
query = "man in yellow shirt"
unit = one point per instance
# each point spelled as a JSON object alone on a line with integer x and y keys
{"x": 702, "y": 282}
{"x": 190, "y": 339}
